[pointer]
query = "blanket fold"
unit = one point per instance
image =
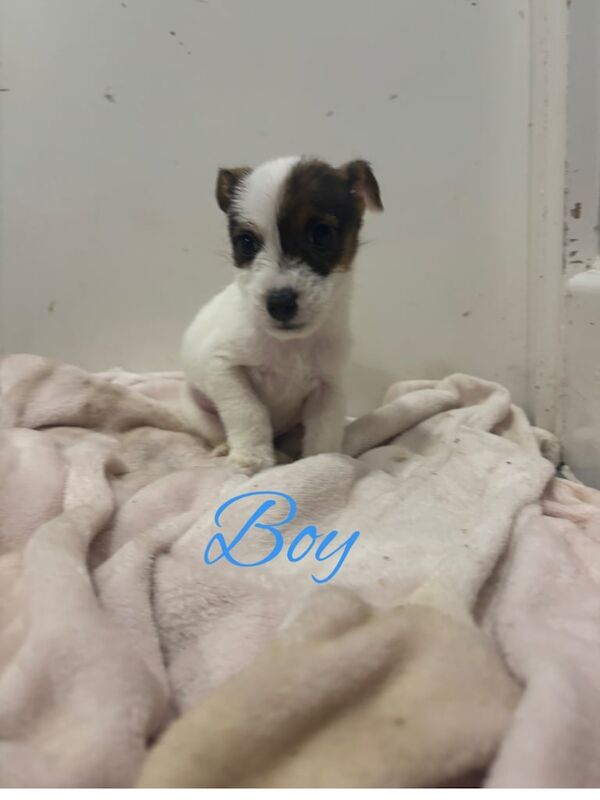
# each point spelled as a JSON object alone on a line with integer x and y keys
{"x": 351, "y": 696}
{"x": 545, "y": 613}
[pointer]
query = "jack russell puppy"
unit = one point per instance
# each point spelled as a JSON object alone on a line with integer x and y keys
{"x": 268, "y": 352}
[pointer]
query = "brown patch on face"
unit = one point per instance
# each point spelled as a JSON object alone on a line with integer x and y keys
{"x": 321, "y": 213}
{"x": 227, "y": 181}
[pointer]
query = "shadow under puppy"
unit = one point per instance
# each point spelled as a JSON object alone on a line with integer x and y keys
{"x": 268, "y": 352}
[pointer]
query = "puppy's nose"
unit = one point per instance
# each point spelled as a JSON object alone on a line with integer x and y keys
{"x": 282, "y": 304}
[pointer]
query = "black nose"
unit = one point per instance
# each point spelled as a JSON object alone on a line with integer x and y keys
{"x": 282, "y": 304}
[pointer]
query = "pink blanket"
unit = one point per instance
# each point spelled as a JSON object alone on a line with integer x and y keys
{"x": 546, "y": 615}
{"x": 112, "y": 624}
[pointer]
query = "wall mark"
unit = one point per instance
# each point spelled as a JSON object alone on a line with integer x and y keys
{"x": 575, "y": 212}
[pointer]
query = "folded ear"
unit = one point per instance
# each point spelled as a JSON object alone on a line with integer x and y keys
{"x": 363, "y": 183}
{"x": 227, "y": 181}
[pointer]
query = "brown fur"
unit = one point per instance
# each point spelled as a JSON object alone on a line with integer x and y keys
{"x": 227, "y": 181}
{"x": 318, "y": 193}
{"x": 363, "y": 183}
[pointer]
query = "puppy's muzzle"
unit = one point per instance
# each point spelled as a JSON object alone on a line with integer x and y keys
{"x": 282, "y": 304}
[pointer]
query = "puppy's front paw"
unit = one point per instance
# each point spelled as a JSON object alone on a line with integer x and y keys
{"x": 251, "y": 461}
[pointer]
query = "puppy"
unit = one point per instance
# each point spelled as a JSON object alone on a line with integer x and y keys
{"x": 268, "y": 352}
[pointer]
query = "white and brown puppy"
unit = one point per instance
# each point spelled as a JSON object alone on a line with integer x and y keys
{"x": 268, "y": 352}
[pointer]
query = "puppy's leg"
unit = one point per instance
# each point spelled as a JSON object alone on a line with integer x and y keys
{"x": 323, "y": 418}
{"x": 245, "y": 417}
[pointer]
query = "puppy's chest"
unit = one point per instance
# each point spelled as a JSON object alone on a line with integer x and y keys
{"x": 283, "y": 380}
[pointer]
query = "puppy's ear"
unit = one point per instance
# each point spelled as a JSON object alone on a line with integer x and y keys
{"x": 227, "y": 180}
{"x": 363, "y": 184}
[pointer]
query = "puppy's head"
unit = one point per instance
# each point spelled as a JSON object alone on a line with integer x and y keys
{"x": 294, "y": 225}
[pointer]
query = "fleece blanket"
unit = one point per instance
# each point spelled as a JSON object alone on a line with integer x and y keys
{"x": 545, "y": 612}
{"x": 124, "y": 604}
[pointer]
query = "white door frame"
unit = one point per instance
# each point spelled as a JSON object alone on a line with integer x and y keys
{"x": 564, "y": 209}
{"x": 547, "y": 156}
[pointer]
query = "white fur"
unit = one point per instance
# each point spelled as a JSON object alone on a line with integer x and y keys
{"x": 262, "y": 379}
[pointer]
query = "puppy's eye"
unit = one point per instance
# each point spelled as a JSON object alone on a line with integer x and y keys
{"x": 247, "y": 244}
{"x": 322, "y": 236}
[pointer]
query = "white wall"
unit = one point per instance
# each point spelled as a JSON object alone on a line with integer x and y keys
{"x": 114, "y": 127}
